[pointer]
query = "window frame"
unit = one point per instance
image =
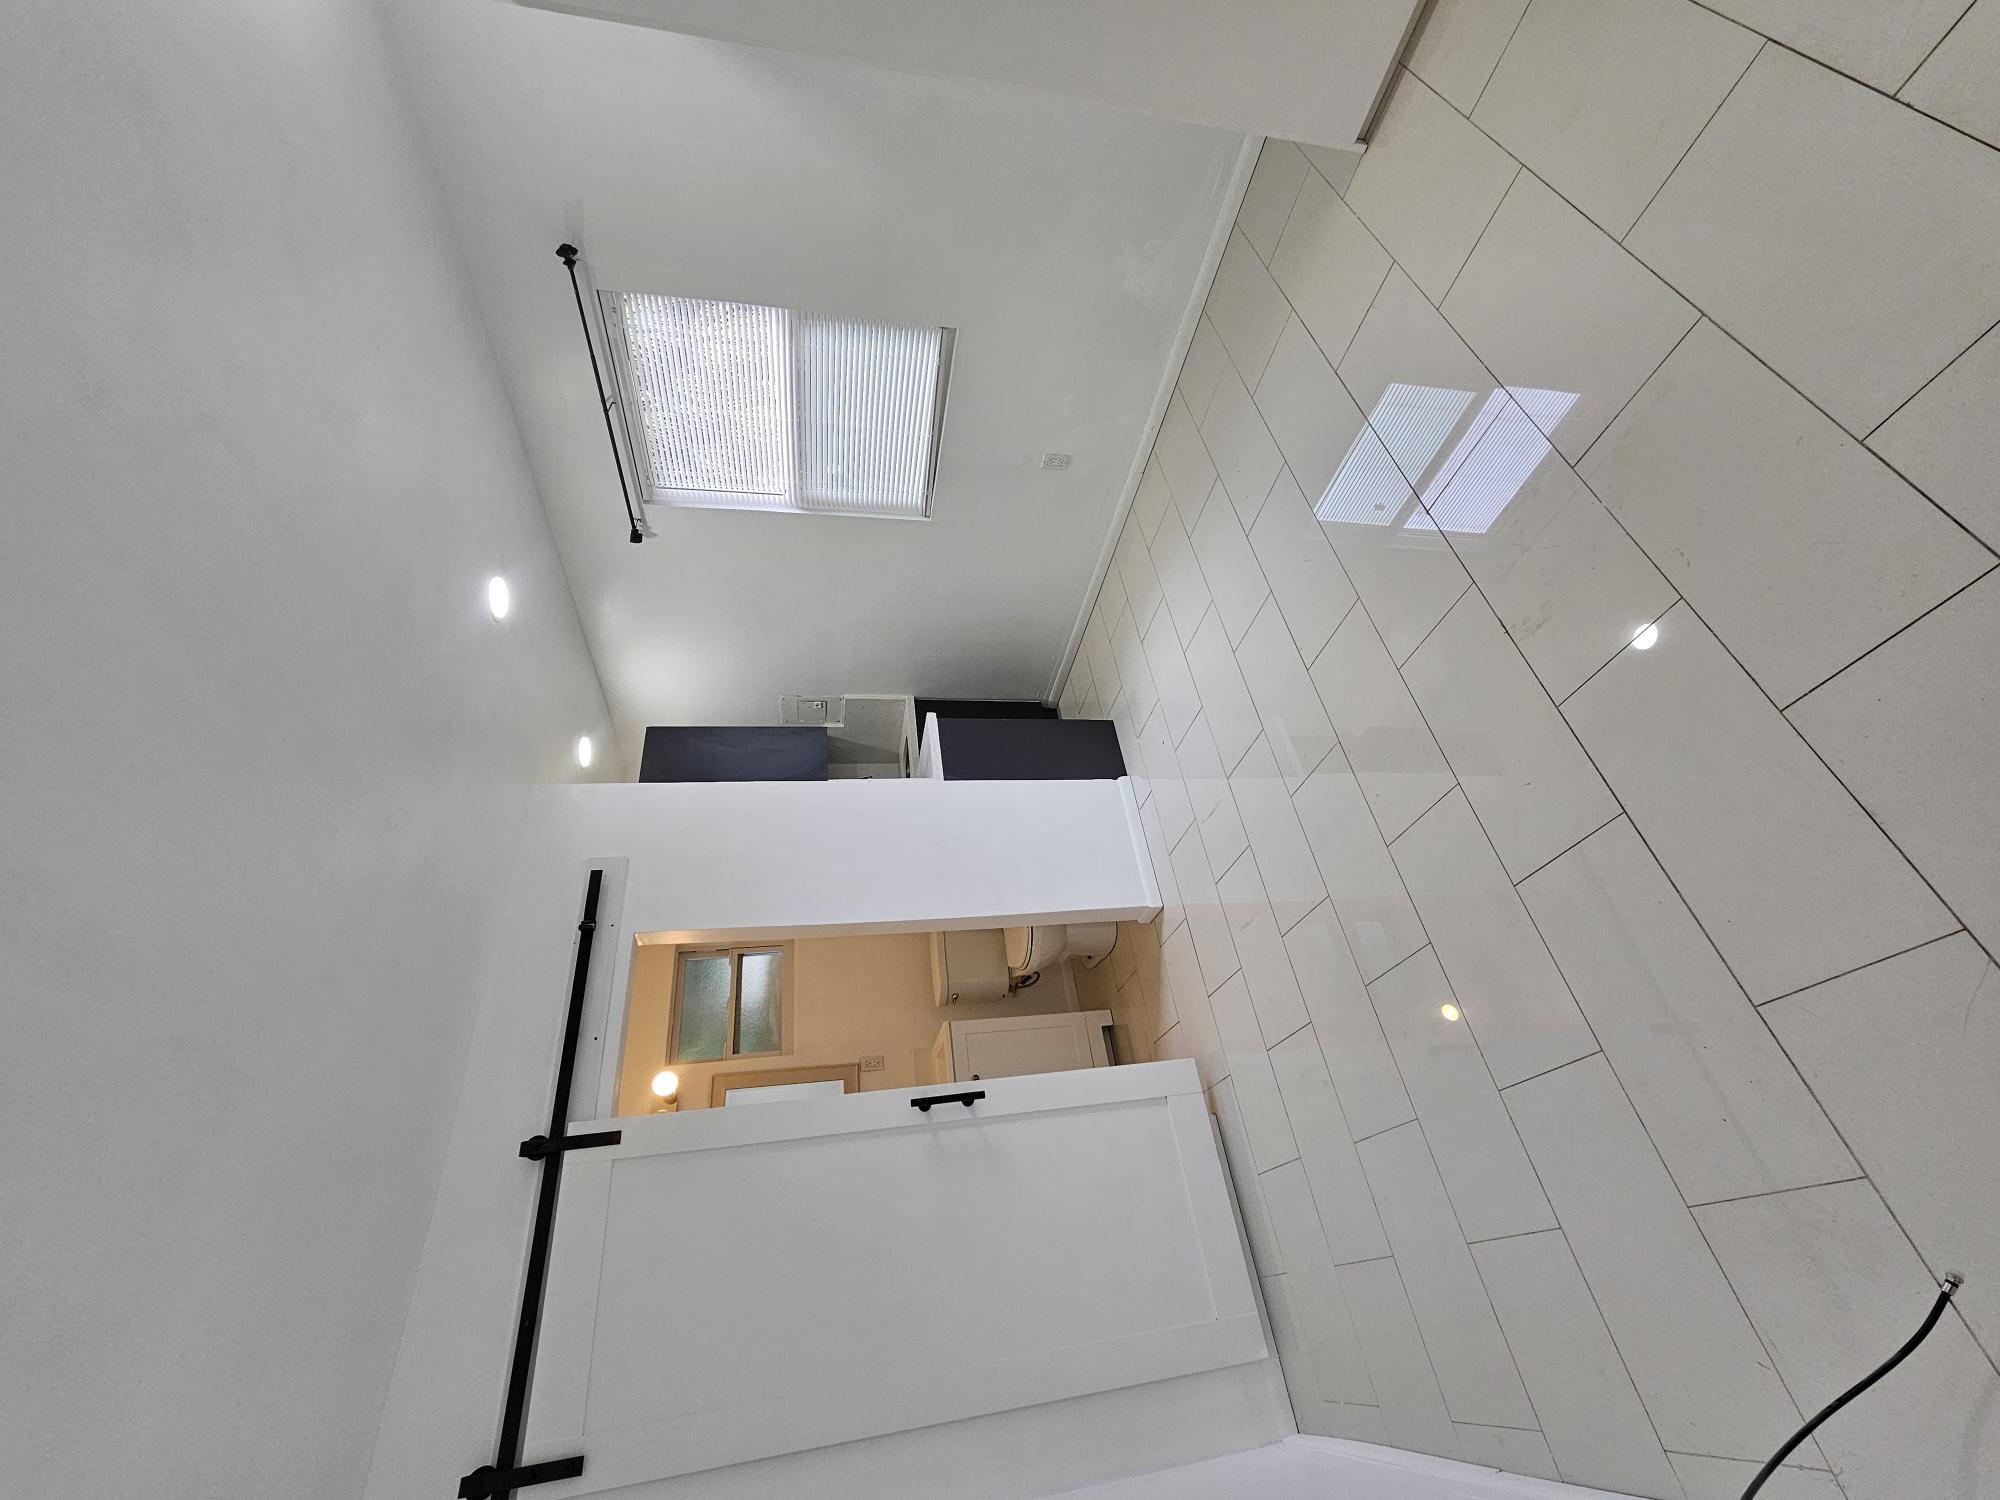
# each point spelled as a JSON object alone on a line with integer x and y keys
{"x": 631, "y": 420}
{"x": 735, "y": 952}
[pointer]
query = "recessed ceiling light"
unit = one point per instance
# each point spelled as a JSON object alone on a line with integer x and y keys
{"x": 1448, "y": 1011}
{"x": 499, "y": 598}
{"x": 1646, "y": 638}
{"x": 585, "y": 752}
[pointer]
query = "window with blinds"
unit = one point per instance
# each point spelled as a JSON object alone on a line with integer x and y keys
{"x": 728, "y": 405}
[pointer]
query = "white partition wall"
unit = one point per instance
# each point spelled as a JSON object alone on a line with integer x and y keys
{"x": 837, "y": 857}
{"x": 734, "y": 1284}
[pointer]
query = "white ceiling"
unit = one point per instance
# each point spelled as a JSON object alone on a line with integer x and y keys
{"x": 1063, "y": 239}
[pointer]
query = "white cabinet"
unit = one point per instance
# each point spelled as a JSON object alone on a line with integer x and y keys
{"x": 1010, "y": 1047}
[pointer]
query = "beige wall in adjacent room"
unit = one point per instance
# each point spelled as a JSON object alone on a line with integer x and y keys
{"x": 849, "y": 997}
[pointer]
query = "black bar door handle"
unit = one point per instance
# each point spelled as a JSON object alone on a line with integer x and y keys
{"x": 965, "y": 1098}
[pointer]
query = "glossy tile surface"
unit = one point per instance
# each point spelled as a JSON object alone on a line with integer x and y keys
{"x": 1443, "y": 581}
{"x": 1956, "y": 81}
{"x": 1512, "y": 995}
{"x": 1428, "y": 184}
{"x": 1492, "y": 1185}
{"x": 1910, "y": 730}
{"x": 1808, "y": 193}
{"x": 1556, "y": 309}
{"x": 1584, "y": 1402}
{"x": 1797, "y": 546}
{"x": 1535, "y": 791}
{"x": 1832, "y": 1283}
{"x": 1373, "y": 909}
{"x": 1945, "y": 442}
{"x": 1305, "y": 577}
{"x": 1719, "y": 1099}
{"x": 1474, "y": 1369}
{"x": 1387, "y": 744}
{"x": 1904, "y": 1055}
{"x": 1600, "y": 98}
{"x": 1459, "y": 43}
{"x": 1784, "y": 870}
{"x": 1692, "y": 1354}
{"x": 1329, "y": 267}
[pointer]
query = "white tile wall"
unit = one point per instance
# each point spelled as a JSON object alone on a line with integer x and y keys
{"x": 1393, "y": 636}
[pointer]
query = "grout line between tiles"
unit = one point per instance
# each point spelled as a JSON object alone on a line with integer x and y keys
{"x": 1977, "y": 578}
{"x": 1885, "y": 958}
{"x": 1872, "y": 88}
{"x": 1868, "y": 438}
{"x": 1518, "y": 170}
{"x": 1559, "y": 854}
{"x": 1639, "y": 218}
{"x": 1494, "y": 71}
{"x": 1898, "y": 91}
{"x": 1599, "y": 1052}
{"x": 1797, "y": 1187}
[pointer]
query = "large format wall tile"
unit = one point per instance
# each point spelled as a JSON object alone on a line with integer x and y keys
{"x": 1181, "y": 579}
{"x": 1692, "y": 1354}
{"x": 1905, "y": 1054}
{"x": 1333, "y": 1170}
{"x": 1387, "y": 744}
{"x": 1313, "y": 1290}
{"x": 1513, "y": 998}
{"x": 1798, "y": 547}
{"x": 1245, "y": 457}
{"x": 1265, "y": 1124}
{"x": 1567, "y": 581}
{"x": 1228, "y": 565}
{"x": 1878, "y": 41}
{"x": 1786, "y": 873}
{"x": 1428, "y": 184}
{"x": 1206, "y": 359}
{"x": 1911, "y": 730}
{"x": 1358, "y": 1060}
{"x": 1309, "y": 411}
{"x": 1833, "y": 1286}
{"x": 1459, "y": 44}
{"x": 1398, "y": 1366}
{"x": 1486, "y": 1171}
{"x": 1552, "y": 304}
{"x": 1415, "y": 380}
{"x": 1260, "y": 950}
{"x": 1292, "y": 880}
{"x": 1299, "y": 564}
{"x": 1945, "y": 441}
{"x": 1247, "y": 309}
{"x": 1184, "y": 463}
{"x": 1267, "y": 201}
{"x": 1534, "y": 789}
{"x": 1369, "y": 900}
{"x": 1956, "y": 82}
{"x": 1226, "y": 702}
{"x": 1296, "y": 726}
{"x": 1474, "y": 1369}
{"x": 1727, "y": 1111}
{"x": 1852, "y": 243}
{"x": 1584, "y": 1400}
{"x": 1329, "y": 267}
{"x": 1601, "y": 97}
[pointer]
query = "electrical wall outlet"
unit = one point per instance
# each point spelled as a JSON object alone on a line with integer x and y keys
{"x": 872, "y": 1063}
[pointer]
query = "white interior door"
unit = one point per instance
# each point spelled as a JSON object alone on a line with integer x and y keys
{"x": 730, "y": 1284}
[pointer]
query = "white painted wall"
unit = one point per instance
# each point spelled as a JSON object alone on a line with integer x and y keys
{"x": 903, "y": 855}
{"x": 262, "y": 754}
{"x": 1308, "y": 70}
{"x": 1063, "y": 239}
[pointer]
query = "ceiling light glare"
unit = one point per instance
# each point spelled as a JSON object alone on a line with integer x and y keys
{"x": 1647, "y": 637}
{"x": 585, "y": 752}
{"x": 1448, "y": 1011}
{"x": 499, "y": 598}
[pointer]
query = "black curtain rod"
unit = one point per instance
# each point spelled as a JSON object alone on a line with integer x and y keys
{"x": 568, "y": 254}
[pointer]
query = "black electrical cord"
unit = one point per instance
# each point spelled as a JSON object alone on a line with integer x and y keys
{"x": 1951, "y": 1283}
{"x": 567, "y": 254}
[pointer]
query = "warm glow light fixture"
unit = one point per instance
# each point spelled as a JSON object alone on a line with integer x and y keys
{"x": 585, "y": 751}
{"x": 499, "y": 598}
{"x": 1448, "y": 1011}
{"x": 666, "y": 1083}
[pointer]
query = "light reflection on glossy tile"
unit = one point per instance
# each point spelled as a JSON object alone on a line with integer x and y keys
{"x": 1308, "y": 409}
{"x": 1790, "y": 879}
{"x": 1414, "y": 378}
